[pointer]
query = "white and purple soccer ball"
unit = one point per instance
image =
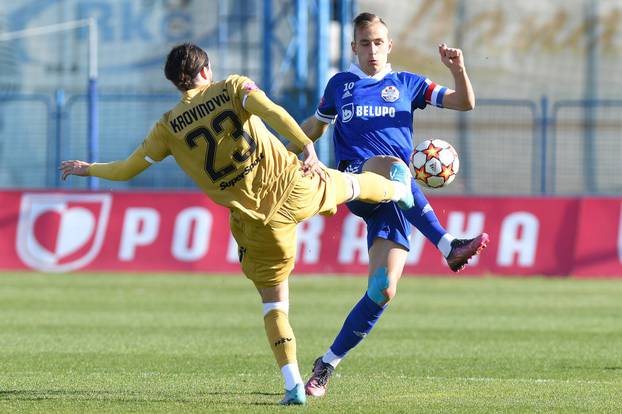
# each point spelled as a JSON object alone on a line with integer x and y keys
{"x": 434, "y": 163}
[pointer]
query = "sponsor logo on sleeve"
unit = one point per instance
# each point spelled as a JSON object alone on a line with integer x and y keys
{"x": 250, "y": 86}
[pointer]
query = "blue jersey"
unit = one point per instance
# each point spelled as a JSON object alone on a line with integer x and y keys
{"x": 374, "y": 115}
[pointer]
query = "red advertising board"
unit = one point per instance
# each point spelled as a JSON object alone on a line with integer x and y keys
{"x": 166, "y": 231}
{"x": 598, "y": 249}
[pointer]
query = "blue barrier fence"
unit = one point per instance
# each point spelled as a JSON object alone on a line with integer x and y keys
{"x": 585, "y": 158}
{"x": 27, "y": 148}
{"x": 506, "y": 146}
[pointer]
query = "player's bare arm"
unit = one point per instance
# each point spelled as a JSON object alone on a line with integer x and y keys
{"x": 462, "y": 97}
{"x": 313, "y": 128}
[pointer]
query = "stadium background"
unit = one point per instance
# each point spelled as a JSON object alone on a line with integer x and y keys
{"x": 133, "y": 329}
{"x": 546, "y": 76}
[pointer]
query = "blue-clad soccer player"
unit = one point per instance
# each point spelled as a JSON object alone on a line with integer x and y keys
{"x": 372, "y": 108}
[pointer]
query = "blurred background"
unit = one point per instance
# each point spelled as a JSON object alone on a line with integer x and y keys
{"x": 83, "y": 79}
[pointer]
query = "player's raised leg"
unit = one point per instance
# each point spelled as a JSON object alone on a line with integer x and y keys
{"x": 457, "y": 252}
{"x": 370, "y": 187}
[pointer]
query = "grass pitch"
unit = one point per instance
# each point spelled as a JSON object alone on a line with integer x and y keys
{"x": 173, "y": 343}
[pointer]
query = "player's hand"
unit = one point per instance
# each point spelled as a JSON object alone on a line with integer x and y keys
{"x": 310, "y": 163}
{"x": 451, "y": 57}
{"x": 74, "y": 167}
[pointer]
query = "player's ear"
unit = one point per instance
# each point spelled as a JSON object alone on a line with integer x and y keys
{"x": 210, "y": 74}
{"x": 206, "y": 73}
{"x": 353, "y": 46}
{"x": 390, "y": 46}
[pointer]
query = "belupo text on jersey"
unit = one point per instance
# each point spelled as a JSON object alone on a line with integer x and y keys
{"x": 369, "y": 111}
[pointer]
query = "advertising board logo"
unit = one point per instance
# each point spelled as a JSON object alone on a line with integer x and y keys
{"x": 61, "y": 232}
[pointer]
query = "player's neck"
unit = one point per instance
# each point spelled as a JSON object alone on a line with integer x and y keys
{"x": 355, "y": 68}
{"x": 204, "y": 82}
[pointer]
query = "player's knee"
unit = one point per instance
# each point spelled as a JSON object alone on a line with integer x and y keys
{"x": 389, "y": 293}
{"x": 381, "y": 164}
{"x": 378, "y": 287}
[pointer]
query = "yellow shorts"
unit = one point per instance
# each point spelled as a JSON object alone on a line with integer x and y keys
{"x": 267, "y": 252}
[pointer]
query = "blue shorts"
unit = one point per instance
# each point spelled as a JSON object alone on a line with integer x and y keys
{"x": 384, "y": 220}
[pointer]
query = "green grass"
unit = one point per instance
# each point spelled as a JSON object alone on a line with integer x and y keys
{"x": 174, "y": 343}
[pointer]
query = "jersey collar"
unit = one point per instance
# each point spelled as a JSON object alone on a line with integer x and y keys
{"x": 354, "y": 68}
{"x": 191, "y": 93}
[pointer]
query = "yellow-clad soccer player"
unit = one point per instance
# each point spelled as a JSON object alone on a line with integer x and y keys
{"x": 217, "y": 137}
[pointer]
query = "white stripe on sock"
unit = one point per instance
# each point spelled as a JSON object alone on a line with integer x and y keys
{"x": 330, "y": 358}
{"x": 284, "y": 306}
{"x": 444, "y": 244}
{"x": 291, "y": 375}
{"x": 356, "y": 186}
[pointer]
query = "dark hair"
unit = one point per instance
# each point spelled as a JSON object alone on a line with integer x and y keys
{"x": 365, "y": 19}
{"x": 183, "y": 64}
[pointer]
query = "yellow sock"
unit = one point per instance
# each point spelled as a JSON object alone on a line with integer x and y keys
{"x": 281, "y": 337}
{"x": 375, "y": 188}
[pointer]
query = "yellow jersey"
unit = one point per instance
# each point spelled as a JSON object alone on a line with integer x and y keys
{"x": 229, "y": 153}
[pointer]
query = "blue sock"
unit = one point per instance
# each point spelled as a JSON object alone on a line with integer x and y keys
{"x": 423, "y": 217}
{"x": 357, "y": 325}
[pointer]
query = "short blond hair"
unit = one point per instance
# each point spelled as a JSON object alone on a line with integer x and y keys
{"x": 365, "y": 19}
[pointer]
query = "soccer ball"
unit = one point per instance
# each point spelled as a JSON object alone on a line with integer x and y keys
{"x": 434, "y": 163}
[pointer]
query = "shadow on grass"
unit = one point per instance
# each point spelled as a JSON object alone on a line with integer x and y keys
{"x": 593, "y": 368}
{"x": 125, "y": 396}
{"x": 241, "y": 393}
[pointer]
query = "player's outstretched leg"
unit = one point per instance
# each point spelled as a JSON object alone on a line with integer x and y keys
{"x": 398, "y": 190}
{"x": 420, "y": 214}
{"x": 457, "y": 252}
{"x": 399, "y": 172}
{"x": 370, "y": 187}
{"x": 423, "y": 217}
{"x": 463, "y": 249}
